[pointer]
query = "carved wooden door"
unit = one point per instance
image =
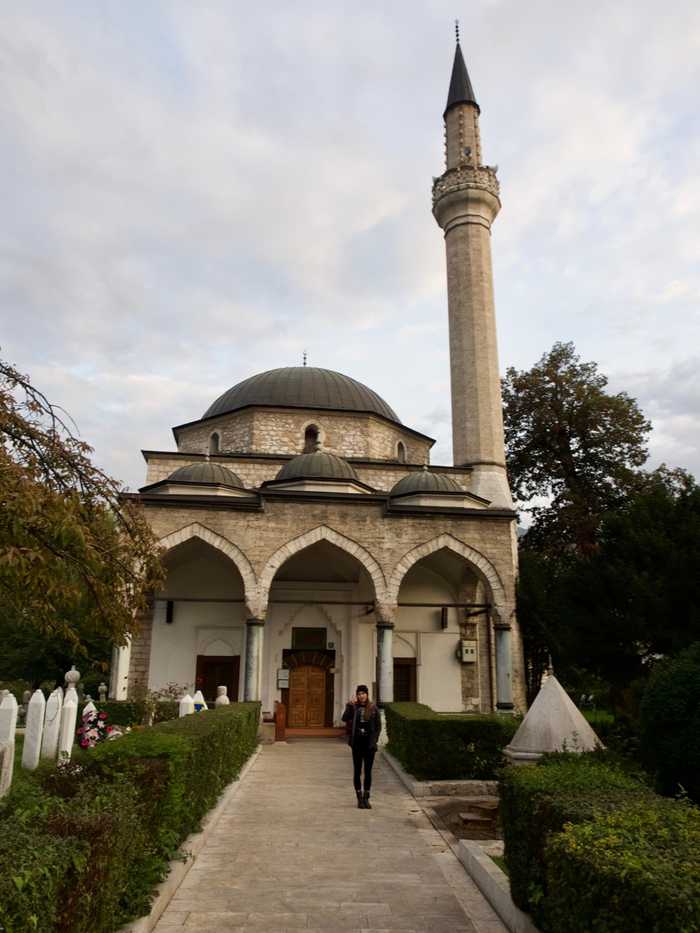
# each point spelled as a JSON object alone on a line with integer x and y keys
{"x": 307, "y": 697}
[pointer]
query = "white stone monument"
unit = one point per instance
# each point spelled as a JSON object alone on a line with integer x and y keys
{"x": 552, "y": 724}
{"x": 221, "y": 697}
{"x": 200, "y": 703}
{"x": 52, "y": 724}
{"x": 102, "y": 691}
{"x": 8, "y": 727}
{"x": 186, "y": 705}
{"x": 33, "y": 730}
{"x": 89, "y": 708}
{"x": 69, "y": 716}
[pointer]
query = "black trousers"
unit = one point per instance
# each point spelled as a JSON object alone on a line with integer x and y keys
{"x": 362, "y": 754}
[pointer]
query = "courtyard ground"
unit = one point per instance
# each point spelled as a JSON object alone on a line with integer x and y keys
{"x": 292, "y": 851}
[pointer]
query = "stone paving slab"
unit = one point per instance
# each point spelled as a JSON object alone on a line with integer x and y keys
{"x": 291, "y": 851}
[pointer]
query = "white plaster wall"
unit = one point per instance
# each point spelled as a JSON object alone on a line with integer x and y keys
{"x": 439, "y": 673}
{"x": 197, "y": 628}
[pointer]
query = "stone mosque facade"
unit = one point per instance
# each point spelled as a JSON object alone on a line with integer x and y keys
{"x": 309, "y": 543}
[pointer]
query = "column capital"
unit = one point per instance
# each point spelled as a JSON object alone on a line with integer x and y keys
{"x": 252, "y": 622}
{"x": 385, "y": 614}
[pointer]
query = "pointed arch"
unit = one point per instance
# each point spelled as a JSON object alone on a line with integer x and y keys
{"x": 481, "y": 565}
{"x": 234, "y": 553}
{"x": 322, "y": 533}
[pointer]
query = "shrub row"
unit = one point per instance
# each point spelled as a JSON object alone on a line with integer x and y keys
{"x": 133, "y": 712}
{"x": 591, "y": 848}
{"x": 82, "y": 846}
{"x": 437, "y": 746}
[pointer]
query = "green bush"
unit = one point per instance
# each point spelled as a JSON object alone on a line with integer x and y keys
{"x": 132, "y": 712}
{"x": 537, "y": 801}
{"x": 630, "y": 871}
{"x": 435, "y": 746}
{"x": 82, "y": 846}
{"x": 670, "y": 724}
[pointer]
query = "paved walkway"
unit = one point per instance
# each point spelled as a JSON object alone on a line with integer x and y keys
{"x": 292, "y": 851}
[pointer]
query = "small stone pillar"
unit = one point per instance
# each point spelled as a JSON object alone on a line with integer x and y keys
{"x": 504, "y": 673}
{"x": 222, "y": 697}
{"x": 102, "y": 692}
{"x": 253, "y": 659}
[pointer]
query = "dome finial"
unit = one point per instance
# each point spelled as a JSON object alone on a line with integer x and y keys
{"x": 304, "y": 359}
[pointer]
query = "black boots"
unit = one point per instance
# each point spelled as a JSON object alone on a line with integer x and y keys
{"x": 360, "y": 800}
{"x": 365, "y": 801}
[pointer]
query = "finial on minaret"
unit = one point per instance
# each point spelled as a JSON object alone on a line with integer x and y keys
{"x": 304, "y": 359}
{"x": 457, "y": 30}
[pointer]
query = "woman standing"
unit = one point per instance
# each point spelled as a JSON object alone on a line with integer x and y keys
{"x": 365, "y": 726}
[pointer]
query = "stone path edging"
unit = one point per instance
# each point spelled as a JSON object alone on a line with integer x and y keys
{"x": 484, "y": 872}
{"x": 494, "y": 885}
{"x": 441, "y": 788}
{"x": 191, "y": 847}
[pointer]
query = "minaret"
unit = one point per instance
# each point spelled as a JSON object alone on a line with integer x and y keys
{"x": 465, "y": 203}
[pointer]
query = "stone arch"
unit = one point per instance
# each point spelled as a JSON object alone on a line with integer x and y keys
{"x": 483, "y": 567}
{"x": 322, "y": 533}
{"x": 234, "y": 553}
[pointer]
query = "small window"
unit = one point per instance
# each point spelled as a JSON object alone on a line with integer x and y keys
{"x": 400, "y": 452}
{"x": 214, "y": 442}
{"x": 309, "y": 639}
{"x": 310, "y": 439}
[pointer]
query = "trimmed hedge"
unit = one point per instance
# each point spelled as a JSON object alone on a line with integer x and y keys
{"x": 132, "y": 712}
{"x": 537, "y": 801}
{"x": 82, "y": 847}
{"x": 631, "y": 871}
{"x": 437, "y": 746}
{"x": 670, "y": 724}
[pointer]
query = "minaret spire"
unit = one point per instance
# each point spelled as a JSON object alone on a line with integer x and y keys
{"x": 465, "y": 203}
{"x": 461, "y": 90}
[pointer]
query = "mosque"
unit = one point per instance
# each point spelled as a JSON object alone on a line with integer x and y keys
{"x": 309, "y": 543}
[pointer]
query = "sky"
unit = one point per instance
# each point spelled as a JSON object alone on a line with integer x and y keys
{"x": 195, "y": 192}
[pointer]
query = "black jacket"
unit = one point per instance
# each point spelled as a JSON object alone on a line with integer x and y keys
{"x": 352, "y": 714}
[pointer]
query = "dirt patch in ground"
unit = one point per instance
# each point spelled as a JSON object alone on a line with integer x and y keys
{"x": 465, "y": 817}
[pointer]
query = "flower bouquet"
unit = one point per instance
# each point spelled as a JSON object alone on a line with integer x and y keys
{"x": 93, "y": 729}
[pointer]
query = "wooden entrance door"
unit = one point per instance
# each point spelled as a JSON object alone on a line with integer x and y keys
{"x": 218, "y": 671}
{"x": 307, "y": 697}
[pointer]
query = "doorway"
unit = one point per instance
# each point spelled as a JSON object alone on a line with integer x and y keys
{"x": 307, "y": 697}
{"x": 405, "y": 680}
{"x": 218, "y": 671}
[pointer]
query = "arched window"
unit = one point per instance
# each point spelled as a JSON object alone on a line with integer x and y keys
{"x": 400, "y": 452}
{"x": 214, "y": 443}
{"x": 310, "y": 439}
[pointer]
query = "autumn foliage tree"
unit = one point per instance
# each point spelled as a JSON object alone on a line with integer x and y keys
{"x": 76, "y": 560}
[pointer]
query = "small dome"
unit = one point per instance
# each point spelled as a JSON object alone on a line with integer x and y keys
{"x": 206, "y": 472}
{"x": 425, "y": 482}
{"x": 302, "y": 387}
{"x": 317, "y": 465}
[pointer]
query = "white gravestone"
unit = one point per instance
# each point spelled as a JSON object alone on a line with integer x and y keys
{"x": 199, "y": 702}
{"x": 52, "y": 724}
{"x": 186, "y": 705}
{"x": 8, "y": 727}
{"x": 69, "y": 716}
{"x": 89, "y": 708}
{"x": 33, "y": 730}
{"x": 221, "y": 697}
{"x": 7, "y": 761}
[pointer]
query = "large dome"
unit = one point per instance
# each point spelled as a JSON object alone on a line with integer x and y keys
{"x": 425, "y": 482}
{"x": 302, "y": 387}
{"x": 206, "y": 472}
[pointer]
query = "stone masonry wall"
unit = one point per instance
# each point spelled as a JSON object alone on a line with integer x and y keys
{"x": 140, "y": 659}
{"x": 282, "y": 432}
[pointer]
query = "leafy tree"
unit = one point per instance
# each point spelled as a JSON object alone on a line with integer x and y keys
{"x": 573, "y": 449}
{"x": 77, "y": 561}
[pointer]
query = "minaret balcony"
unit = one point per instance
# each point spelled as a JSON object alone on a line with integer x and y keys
{"x": 465, "y": 177}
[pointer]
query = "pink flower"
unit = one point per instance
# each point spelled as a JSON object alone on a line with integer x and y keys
{"x": 102, "y": 716}
{"x": 84, "y": 743}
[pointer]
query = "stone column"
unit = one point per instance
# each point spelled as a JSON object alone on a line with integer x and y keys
{"x": 504, "y": 676}
{"x": 385, "y": 653}
{"x": 253, "y": 659}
